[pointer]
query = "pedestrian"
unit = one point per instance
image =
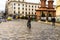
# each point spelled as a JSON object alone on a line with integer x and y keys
{"x": 53, "y": 21}
{"x": 14, "y": 16}
{"x": 29, "y": 22}
{"x": 0, "y": 21}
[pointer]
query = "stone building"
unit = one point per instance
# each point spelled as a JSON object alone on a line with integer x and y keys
{"x": 46, "y": 12}
{"x": 21, "y": 7}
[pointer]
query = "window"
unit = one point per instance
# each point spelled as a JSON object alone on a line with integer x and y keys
{"x": 35, "y": 6}
{"x": 14, "y": 4}
{"x": 18, "y": 4}
{"x": 29, "y": 5}
{"x": 38, "y": 6}
{"x": 26, "y": 13}
{"x": 32, "y": 6}
{"x": 18, "y": 11}
{"x": 35, "y": 13}
{"x": 18, "y": 8}
{"x": 32, "y": 13}
{"x": 26, "y": 5}
{"x": 14, "y": 12}
{"x": 23, "y": 0}
{"x": 29, "y": 13}
{"x": 22, "y": 12}
{"x": 32, "y": 9}
{"x": 14, "y": 8}
{"x": 23, "y": 8}
{"x": 23, "y": 4}
{"x": 26, "y": 9}
{"x": 29, "y": 9}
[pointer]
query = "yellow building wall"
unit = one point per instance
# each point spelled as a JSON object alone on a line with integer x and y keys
{"x": 57, "y": 8}
{"x": 57, "y": 2}
{"x": 58, "y": 11}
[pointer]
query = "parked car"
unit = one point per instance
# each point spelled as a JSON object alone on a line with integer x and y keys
{"x": 9, "y": 18}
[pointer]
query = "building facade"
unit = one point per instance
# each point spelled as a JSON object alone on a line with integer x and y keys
{"x": 21, "y": 7}
{"x": 46, "y": 12}
{"x": 58, "y": 8}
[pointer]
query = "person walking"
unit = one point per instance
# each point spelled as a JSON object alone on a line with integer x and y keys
{"x": 53, "y": 21}
{"x": 29, "y": 23}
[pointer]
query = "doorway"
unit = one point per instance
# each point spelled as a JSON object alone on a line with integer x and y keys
{"x": 49, "y": 17}
{"x": 43, "y": 17}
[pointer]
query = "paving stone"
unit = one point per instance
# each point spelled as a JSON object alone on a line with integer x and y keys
{"x": 17, "y": 30}
{"x": 5, "y": 39}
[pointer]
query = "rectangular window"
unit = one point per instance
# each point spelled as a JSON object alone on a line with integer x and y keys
{"x": 29, "y": 13}
{"x": 18, "y": 4}
{"x": 23, "y": 8}
{"x": 14, "y": 4}
{"x": 32, "y": 6}
{"x": 14, "y": 8}
{"x": 18, "y": 11}
{"x": 32, "y": 13}
{"x": 32, "y": 9}
{"x": 18, "y": 0}
{"x": 23, "y": 5}
{"x": 14, "y": 12}
{"x": 29, "y": 9}
{"x": 38, "y": 6}
{"x": 26, "y": 13}
{"x": 26, "y": 9}
{"x": 26, "y": 5}
{"x": 18, "y": 8}
{"x": 35, "y": 6}
{"x": 22, "y": 12}
{"x": 29, "y": 5}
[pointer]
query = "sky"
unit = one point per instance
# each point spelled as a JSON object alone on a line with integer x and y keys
{"x": 2, "y": 3}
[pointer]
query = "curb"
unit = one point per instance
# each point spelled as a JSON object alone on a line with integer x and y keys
{"x": 50, "y": 23}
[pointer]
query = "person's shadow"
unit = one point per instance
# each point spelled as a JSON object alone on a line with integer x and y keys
{"x": 29, "y": 30}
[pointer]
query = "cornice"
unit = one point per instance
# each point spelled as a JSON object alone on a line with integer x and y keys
{"x": 24, "y": 2}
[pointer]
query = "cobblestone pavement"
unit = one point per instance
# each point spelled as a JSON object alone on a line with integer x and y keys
{"x": 17, "y": 30}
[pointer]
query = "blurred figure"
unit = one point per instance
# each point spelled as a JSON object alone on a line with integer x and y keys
{"x": 53, "y": 21}
{"x": 1, "y": 19}
{"x": 14, "y": 17}
{"x": 29, "y": 22}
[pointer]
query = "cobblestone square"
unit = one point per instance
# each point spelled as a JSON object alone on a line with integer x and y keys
{"x": 17, "y": 30}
